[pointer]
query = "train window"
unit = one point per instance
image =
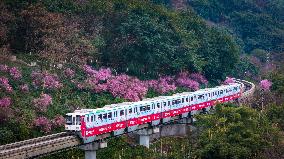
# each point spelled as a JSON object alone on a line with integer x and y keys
{"x": 105, "y": 116}
{"x": 165, "y": 104}
{"x": 148, "y": 107}
{"x": 92, "y": 118}
{"x": 73, "y": 121}
{"x": 78, "y": 121}
{"x": 178, "y": 101}
{"x": 209, "y": 94}
{"x": 68, "y": 120}
{"x": 109, "y": 115}
{"x": 186, "y": 99}
{"x": 221, "y": 92}
{"x": 130, "y": 111}
{"x": 88, "y": 119}
{"x": 100, "y": 117}
{"x": 142, "y": 108}
{"x": 182, "y": 100}
{"x": 135, "y": 109}
{"x": 121, "y": 112}
{"x": 173, "y": 102}
{"x": 158, "y": 105}
{"x": 153, "y": 106}
{"x": 169, "y": 103}
{"x": 191, "y": 98}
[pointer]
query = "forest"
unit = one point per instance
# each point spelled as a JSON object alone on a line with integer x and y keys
{"x": 60, "y": 55}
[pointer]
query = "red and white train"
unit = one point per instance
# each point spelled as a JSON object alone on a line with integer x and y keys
{"x": 128, "y": 116}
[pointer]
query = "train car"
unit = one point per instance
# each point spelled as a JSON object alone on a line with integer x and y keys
{"x": 117, "y": 119}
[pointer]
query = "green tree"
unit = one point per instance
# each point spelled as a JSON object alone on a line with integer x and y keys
{"x": 276, "y": 115}
{"x": 234, "y": 132}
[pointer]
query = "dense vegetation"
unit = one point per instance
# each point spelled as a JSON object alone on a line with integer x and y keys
{"x": 96, "y": 52}
{"x": 136, "y": 37}
{"x": 258, "y": 23}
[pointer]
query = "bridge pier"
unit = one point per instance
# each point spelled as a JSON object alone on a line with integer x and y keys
{"x": 144, "y": 136}
{"x": 91, "y": 149}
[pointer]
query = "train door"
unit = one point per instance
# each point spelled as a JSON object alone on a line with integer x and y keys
{"x": 132, "y": 119}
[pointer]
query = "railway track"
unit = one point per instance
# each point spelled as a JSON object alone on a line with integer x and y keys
{"x": 39, "y": 146}
{"x": 56, "y": 142}
{"x": 31, "y": 141}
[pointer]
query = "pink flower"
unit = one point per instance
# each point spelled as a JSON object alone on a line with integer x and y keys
{"x": 43, "y": 102}
{"x": 103, "y": 74}
{"x": 46, "y": 80}
{"x": 265, "y": 84}
{"x": 89, "y": 70}
{"x": 127, "y": 87}
{"x": 4, "y": 82}
{"x": 185, "y": 82}
{"x": 5, "y": 102}
{"x": 198, "y": 78}
{"x": 101, "y": 88}
{"x": 229, "y": 80}
{"x": 4, "y": 68}
{"x": 162, "y": 85}
{"x": 69, "y": 72}
{"x": 58, "y": 121}
{"x": 189, "y": 81}
{"x": 15, "y": 73}
{"x": 24, "y": 88}
{"x": 43, "y": 123}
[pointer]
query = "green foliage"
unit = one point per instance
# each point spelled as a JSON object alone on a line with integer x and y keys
{"x": 277, "y": 82}
{"x": 221, "y": 54}
{"x": 245, "y": 68}
{"x": 276, "y": 115}
{"x": 147, "y": 40}
{"x": 258, "y": 23}
{"x": 234, "y": 132}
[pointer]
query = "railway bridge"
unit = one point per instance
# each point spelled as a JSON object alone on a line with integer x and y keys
{"x": 56, "y": 142}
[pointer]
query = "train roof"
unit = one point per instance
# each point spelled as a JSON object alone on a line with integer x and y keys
{"x": 120, "y": 106}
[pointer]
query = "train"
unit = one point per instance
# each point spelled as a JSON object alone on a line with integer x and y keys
{"x": 117, "y": 119}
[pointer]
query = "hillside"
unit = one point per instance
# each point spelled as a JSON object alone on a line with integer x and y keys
{"x": 60, "y": 55}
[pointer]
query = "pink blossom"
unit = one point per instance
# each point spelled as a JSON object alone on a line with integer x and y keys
{"x": 4, "y": 82}
{"x": 15, "y": 73}
{"x": 51, "y": 82}
{"x": 43, "y": 102}
{"x": 89, "y": 70}
{"x": 46, "y": 80}
{"x": 91, "y": 82}
{"x": 127, "y": 87}
{"x": 229, "y": 80}
{"x": 43, "y": 123}
{"x": 103, "y": 74}
{"x": 198, "y": 78}
{"x": 58, "y": 121}
{"x": 4, "y": 68}
{"x": 69, "y": 72}
{"x": 189, "y": 81}
{"x": 265, "y": 84}
{"x": 5, "y": 102}
{"x": 24, "y": 88}
{"x": 186, "y": 82}
{"x": 101, "y": 88}
{"x": 162, "y": 85}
